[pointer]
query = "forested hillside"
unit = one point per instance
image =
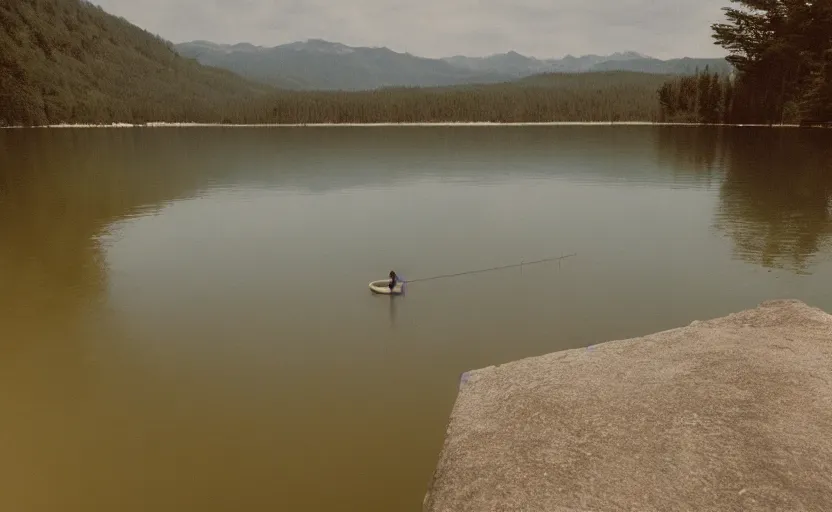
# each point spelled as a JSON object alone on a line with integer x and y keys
{"x": 782, "y": 50}
{"x": 615, "y": 96}
{"x": 69, "y": 61}
{"x": 66, "y": 61}
{"x": 702, "y": 98}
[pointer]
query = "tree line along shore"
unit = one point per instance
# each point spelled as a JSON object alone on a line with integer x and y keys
{"x": 69, "y": 62}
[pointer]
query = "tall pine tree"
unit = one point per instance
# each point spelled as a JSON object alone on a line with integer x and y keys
{"x": 777, "y": 47}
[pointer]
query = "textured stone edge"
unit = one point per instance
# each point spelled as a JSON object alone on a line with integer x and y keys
{"x": 470, "y": 377}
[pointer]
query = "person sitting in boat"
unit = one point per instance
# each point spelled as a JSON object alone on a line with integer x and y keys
{"x": 394, "y": 279}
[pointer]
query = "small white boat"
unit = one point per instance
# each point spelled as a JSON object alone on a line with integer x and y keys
{"x": 383, "y": 287}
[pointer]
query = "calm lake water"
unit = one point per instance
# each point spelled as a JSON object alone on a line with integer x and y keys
{"x": 185, "y": 322}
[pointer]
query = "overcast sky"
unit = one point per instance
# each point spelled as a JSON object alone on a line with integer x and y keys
{"x": 439, "y": 28}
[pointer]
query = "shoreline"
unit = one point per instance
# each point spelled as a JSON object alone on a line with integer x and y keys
{"x": 375, "y": 125}
{"x": 722, "y": 414}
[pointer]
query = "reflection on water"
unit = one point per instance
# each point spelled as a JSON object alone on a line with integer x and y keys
{"x": 394, "y": 301}
{"x": 185, "y": 321}
{"x": 776, "y": 200}
{"x": 693, "y": 152}
{"x": 775, "y": 193}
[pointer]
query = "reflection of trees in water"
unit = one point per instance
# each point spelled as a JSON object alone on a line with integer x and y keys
{"x": 691, "y": 153}
{"x": 776, "y": 197}
{"x": 59, "y": 190}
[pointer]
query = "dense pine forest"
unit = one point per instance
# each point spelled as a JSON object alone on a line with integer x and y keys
{"x": 702, "y": 98}
{"x": 614, "y": 96}
{"x": 67, "y": 61}
{"x": 782, "y": 51}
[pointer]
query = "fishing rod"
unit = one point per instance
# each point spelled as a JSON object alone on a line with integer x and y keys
{"x": 492, "y": 269}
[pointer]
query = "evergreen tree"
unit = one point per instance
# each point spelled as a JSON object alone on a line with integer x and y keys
{"x": 668, "y": 99}
{"x": 703, "y": 96}
{"x": 780, "y": 49}
{"x": 777, "y": 47}
{"x": 817, "y": 104}
{"x": 715, "y": 101}
{"x": 727, "y": 102}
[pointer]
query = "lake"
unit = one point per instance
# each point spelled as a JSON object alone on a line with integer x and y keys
{"x": 185, "y": 321}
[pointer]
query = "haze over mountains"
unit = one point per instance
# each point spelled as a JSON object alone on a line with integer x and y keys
{"x": 324, "y": 65}
{"x": 68, "y": 61}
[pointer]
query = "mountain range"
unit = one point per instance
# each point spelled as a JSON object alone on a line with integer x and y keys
{"x": 69, "y": 61}
{"x": 317, "y": 64}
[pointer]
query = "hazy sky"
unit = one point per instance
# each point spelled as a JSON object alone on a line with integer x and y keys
{"x": 438, "y": 28}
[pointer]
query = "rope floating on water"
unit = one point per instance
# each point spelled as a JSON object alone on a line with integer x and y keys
{"x": 492, "y": 269}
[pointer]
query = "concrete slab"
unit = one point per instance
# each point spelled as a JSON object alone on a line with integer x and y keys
{"x": 727, "y": 414}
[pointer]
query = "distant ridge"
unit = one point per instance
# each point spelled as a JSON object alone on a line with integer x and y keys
{"x": 323, "y": 65}
{"x": 318, "y": 64}
{"x": 69, "y": 63}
